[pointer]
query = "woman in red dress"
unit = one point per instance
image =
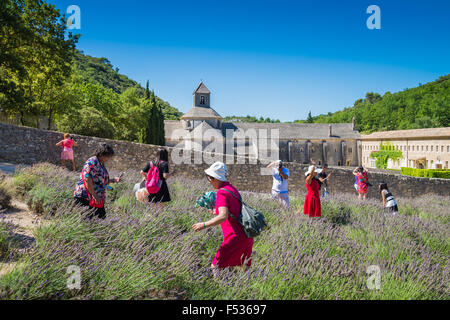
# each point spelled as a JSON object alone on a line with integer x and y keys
{"x": 312, "y": 205}
{"x": 361, "y": 174}
{"x": 236, "y": 248}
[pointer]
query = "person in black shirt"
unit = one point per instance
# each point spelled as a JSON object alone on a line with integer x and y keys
{"x": 323, "y": 176}
{"x": 162, "y": 163}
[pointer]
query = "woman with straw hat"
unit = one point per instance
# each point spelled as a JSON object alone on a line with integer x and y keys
{"x": 312, "y": 205}
{"x": 236, "y": 248}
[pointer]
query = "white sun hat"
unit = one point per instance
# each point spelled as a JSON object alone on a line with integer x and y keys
{"x": 310, "y": 169}
{"x": 217, "y": 170}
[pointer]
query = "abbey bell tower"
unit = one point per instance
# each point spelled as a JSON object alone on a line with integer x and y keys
{"x": 202, "y": 96}
{"x": 201, "y": 112}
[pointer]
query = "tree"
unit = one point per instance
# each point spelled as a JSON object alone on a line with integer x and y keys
{"x": 87, "y": 121}
{"x": 37, "y": 57}
{"x": 310, "y": 118}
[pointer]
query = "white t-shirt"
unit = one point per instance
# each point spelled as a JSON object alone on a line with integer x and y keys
{"x": 280, "y": 185}
{"x": 390, "y": 201}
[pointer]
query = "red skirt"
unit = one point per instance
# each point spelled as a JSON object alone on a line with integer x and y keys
{"x": 312, "y": 205}
{"x": 234, "y": 251}
{"x": 362, "y": 188}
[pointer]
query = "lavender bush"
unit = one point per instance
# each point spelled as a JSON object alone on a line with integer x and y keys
{"x": 142, "y": 251}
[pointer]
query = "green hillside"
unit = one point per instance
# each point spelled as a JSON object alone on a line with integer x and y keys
{"x": 101, "y": 71}
{"x": 249, "y": 119}
{"x": 426, "y": 106}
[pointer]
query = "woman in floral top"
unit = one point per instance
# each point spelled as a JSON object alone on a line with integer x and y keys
{"x": 96, "y": 178}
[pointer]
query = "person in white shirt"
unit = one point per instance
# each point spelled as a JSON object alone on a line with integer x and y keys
{"x": 280, "y": 190}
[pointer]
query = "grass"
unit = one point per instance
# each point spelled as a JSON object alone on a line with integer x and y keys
{"x": 141, "y": 250}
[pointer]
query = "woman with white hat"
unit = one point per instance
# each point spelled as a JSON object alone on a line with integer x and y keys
{"x": 236, "y": 248}
{"x": 312, "y": 205}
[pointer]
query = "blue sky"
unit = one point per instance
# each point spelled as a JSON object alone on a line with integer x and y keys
{"x": 276, "y": 59}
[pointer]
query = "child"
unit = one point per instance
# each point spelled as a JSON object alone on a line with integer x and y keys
{"x": 67, "y": 152}
{"x": 389, "y": 203}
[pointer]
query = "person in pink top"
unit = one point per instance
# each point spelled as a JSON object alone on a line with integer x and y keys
{"x": 236, "y": 248}
{"x": 67, "y": 152}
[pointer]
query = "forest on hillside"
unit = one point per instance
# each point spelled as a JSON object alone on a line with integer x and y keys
{"x": 426, "y": 106}
{"x": 43, "y": 75}
{"x": 250, "y": 119}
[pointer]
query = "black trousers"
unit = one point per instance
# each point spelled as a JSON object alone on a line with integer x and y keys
{"x": 96, "y": 212}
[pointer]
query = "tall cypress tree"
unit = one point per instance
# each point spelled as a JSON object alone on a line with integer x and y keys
{"x": 147, "y": 91}
{"x": 310, "y": 118}
{"x": 148, "y": 135}
{"x": 154, "y": 120}
{"x": 162, "y": 133}
{"x": 154, "y": 133}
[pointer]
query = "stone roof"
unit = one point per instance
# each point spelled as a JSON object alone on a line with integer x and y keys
{"x": 201, "y": 113}
{"x": 409, "y": 134}
{"x": 201, "y": 89}
{"x": 300, "y": 131}
{"x": 291, "y": 131}
{"x": 202, "y": 127}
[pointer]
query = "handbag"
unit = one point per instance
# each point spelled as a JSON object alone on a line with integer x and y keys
{"x": 139, "y": 185}
{"x": 251, "y": 220}
{"x": 92, "y": 202}
{"x": 142, "y": 195}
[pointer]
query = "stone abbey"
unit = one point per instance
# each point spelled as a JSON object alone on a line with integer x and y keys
{"x": 336, "y": 144}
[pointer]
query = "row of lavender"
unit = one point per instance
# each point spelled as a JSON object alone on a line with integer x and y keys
{"x": 145, "y": 252}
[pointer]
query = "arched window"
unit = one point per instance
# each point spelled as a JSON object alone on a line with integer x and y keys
{"x": 202, "y": 99}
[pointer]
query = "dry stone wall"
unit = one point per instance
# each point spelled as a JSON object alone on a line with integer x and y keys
{"x": 29, "y": 145}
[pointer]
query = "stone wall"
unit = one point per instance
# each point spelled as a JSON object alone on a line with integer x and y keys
{"x": 28, "y": 145}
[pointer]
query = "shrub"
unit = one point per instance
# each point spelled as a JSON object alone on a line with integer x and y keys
{"x": 44, "y": 199}
{"x": 24, "y": 181}
{"x": 140, "y": 250}
{"x": 89, "y": 122}
{"x": 4, "y": 235}
{"x": 427, "y": 173}
{"x": 5, "y": 198}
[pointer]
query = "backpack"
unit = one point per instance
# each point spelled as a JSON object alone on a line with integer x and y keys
{"x": 251, "y": 220}
{"x": 153, "y": 183}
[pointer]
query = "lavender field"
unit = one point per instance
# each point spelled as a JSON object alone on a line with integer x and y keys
{"x": 146, "y": 252}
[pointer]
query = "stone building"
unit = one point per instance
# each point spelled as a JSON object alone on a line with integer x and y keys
{"x": 202, "y": 127}
{"x": 421, "y": 148}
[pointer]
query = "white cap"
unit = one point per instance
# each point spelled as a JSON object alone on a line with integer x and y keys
{"x": 217, "y": 170}
{"x": 310, "y": 169}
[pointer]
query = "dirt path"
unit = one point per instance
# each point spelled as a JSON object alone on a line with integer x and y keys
{"x": 24, "y": 222}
